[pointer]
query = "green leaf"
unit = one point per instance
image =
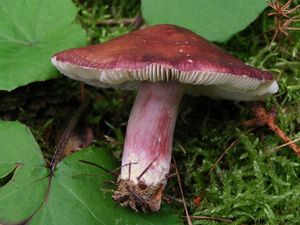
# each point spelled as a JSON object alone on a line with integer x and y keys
{"x": 216, "y": 20}
{"x": 31, "y": 31}
{"x": 83, "y": 193}
{"x": 76, "y": 194}
{"x": 24, "y": 192}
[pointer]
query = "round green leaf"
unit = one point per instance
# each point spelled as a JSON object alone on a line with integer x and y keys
{"x": 23, "y": 173}
{"x": 76, "y": 193}
{"x": 81, "y": 194}
{"x": 216, "y": 20}
{"x": 30, "y": 32}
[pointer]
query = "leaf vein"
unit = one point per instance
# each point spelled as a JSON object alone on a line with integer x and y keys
{"x": 82, "y": 202}
{"x": 14, "y": 22}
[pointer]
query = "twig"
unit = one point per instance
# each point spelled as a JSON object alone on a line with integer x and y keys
{"x": 182, "y": 195}
{"x": 82, "y": 91}
{"x": 172, "y": 198}
{"x": 283, "y": 145}
{"x": 221, "y": 219}
{"x": 147, "y": 168}
{"x": 264, "y": 118}
{"x": 67, "y": 133}
{"x": 225, "y": 152}
{"x": 120, "y": 167}
{"x": 221, "y": 157}
{"x": 171, "y": 175}
{"x": 129, "y": 170}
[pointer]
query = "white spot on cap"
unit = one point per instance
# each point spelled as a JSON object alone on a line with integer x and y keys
{"x": 190, "y": 61}
{"x": 180, "y": 50}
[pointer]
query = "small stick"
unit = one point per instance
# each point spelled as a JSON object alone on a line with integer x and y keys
{"x": 82, "y": 91}
{"x": 172, "y": 198}
{"x": 225, "y": 152}
{"x": 264, "y": 118}
{"x": 120, "y": 167}
{"x": 182, "y": 195}
{"x": 171, "y": 175}
{"x": 147, "y": 168}
{"x": 284, "y": 137}
{"x": 67, "y": 133}
{"x": 129, "y": 170}
{"x": 288, "y": 143}
{"x": 221, "y": 157}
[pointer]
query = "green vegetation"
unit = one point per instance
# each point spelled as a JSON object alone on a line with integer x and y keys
{"x": 29, "y": 38}
{"x": 252, "y": 184}
{"x": 215, "y": 20}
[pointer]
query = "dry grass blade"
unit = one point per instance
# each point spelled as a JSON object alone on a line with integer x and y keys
{"x": 221, "y": 219}
{"x": 286, "y": 144}
{"x": 189, "y": 221}
{"x": 224, "y": 153}
{"x": 221, "y": 157}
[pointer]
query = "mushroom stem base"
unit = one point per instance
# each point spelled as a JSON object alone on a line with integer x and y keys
{"x": 139, "y": 197}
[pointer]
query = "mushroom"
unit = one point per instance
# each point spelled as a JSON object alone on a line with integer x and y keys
{"x": 162, "y": 62}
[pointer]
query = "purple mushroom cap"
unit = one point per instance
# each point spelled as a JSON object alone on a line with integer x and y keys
{"x": 166, "y": 53}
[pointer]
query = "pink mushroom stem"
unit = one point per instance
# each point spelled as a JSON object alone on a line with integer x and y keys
{"x": 148, "y": 145}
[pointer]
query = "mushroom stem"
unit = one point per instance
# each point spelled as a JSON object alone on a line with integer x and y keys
{"x": 148, "y": 145}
